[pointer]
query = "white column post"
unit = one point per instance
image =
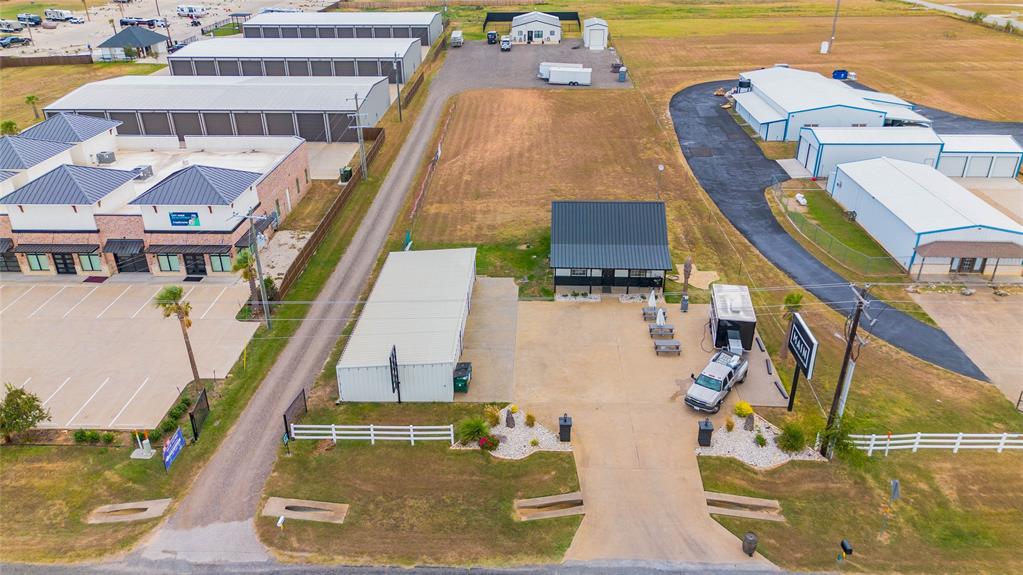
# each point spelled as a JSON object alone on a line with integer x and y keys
{"x": 916, "y": 442}
{"x": 412, "y": 434}
{"x": 959, "y": 441}
{"x": 1001, "y": 443}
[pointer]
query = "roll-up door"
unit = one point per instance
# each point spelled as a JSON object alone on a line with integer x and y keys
{"x": 181, "y": 67}
{"x": 978, "y": 166}
{"x": 952, "y": 166}
{"x": 381, "y": 32}
{"x": 321, "y": 68}
{"x": 346, "y": 33}
{"x": 289, "y": 32}
{"x": 307, "y": 32}
{"x": 387, "y": 70}
{"x": 274, "y": 68}
{"x": 298, "y": 68}
{"x": 187, "y": 123}
{"x": 278, "y": 124}
{"x": 228, "y": 67}
{"x": 155, "y": 124}
{"x": 129, "y": 123}
{"x": 344, "y": 67}
{"x": 249, "y": 124}
{"x": 252, "y": 32}
{"x": 400, "y": 32}
{"x": 801, "y": 154}
{"x": 339, "y": 131}
{"x": 363, "y": 32}
{"x": 423, "y": 34}
{"x": 217, "y": 123}
{"x": 368, "y": 68}
{"x": 269, "y": 32}
{"x": 326, "y": 32}
{"x": 204, "y": 68}
{"x": 252, "y": 68}
{"x": 1004, "y": 167}
{"x": 312, "y": 128}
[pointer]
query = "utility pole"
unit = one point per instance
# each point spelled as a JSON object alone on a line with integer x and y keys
{"x": 86, "y": 7}
{"x": 397, "y": 82}
{"x": 254, "y": 246}
{"x": 362, "y": 142}
{"x": 157, "y": 8}
{"x": 834, "y": 26}
{"x": 845, "y": 374}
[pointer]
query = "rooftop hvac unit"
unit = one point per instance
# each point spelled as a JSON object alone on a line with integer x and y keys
{"x": 143, "y": 172}
{"x": 105, "y": 158}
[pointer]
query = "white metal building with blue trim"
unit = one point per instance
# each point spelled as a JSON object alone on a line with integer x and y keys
{"x": 927, "y": 222}
{"x": 980, "y": 156}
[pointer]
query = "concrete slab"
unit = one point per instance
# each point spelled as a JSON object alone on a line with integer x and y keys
{"x": 794, "y": 169}
{"x": 489, "y": 341}
{"x": 327, "y": 159}
{"x": 305, "y": 510}
{"x": 700, "y": 279}
{"x": 134, "y": 511}
{"x": 1005, "y": 194}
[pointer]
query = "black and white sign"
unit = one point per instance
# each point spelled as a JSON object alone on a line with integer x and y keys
{"x": 803, "y": 346}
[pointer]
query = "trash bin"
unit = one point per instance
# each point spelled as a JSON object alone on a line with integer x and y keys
{"x": 565, "y": 428}
{"x": 706, "y": 429}
{"x": 623, "y": 74}
{"x": 685, "y": 304}
{"x": 749, "y": 543}
{"x": 346, "y": 173}
{"x": 462, "y": 375}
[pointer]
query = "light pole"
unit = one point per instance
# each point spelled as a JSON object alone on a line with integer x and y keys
{"x": 254, "y": 246}
{"x": 397, "y": 82}
{"x": 362, "y": 142}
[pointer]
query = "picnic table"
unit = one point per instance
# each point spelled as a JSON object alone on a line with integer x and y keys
{"x": 650, "y": 313}
{"x": 661, "y": 330}
{"x": 667, "y": 346}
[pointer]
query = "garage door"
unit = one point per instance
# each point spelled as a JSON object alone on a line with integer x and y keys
{"x": 228, "y": 67}
{"x": 326, "y": 32}
{"x": 252, "y": 32}
{"x": 289, "y": 32}
{"x": 156, "y": 124}
{"x": 307, "y": 32}
{"x": 181, "y": 67}
{"x": 811, "y": 158}
{"x": 280, "y": 124}
{"x": 129, "y": 123}
{"x": 298, "y": 68}
{"x": 400, "y": 32}
{"x": 368, "y": 68}
{"x": 204, "y": 68}
{"x": 801, "y": 155}
{"x": 978, "y": 166}
{"x": 346, "y": 33}
{"x": 252, "y": 68}
{"x": 344, "y": 67}
{"x": 311, "y": 127}
{"x": 187, "y": 124}
{"x": 423, "y": 34}
{"x": 321, "y": 68}
{"x": 952, "y": 166}
{"x": 218, "y": 123}
{"x": 274, "y": 68}
{"x": 249, "y": 124}
{"x": 339, "y": 131}
{"x": 1005, "y": 167}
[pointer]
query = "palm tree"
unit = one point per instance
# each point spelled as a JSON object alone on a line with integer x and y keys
{"x": 246, "y": 264}
{"x": 8, "y": 128}
{"x": 793, "y": 303}
{"x": 32, "y": 100}
{"x": 170, "y": 302}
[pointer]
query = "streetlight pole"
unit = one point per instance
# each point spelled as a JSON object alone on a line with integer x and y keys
{"x": 397, "y": 82}
{"x": 254, "y": 246}
{"x": 362, "y": 142}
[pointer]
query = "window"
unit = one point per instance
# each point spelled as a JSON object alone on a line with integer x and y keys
{"x": 859, "y": 125}
{"x": 810, "y": 125}
{"x": 168, "y": 262}
{"x": 638, "y": 273}
{"x": 220, "y": 262}
{"x": 306, "y": 176}
{"x": 89, "y": 262}
{"x": 551, "y": 33}
{"x": 38, "y": 262}
{"x": 579, "y": 272}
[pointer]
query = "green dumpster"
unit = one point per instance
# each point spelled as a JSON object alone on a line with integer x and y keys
{"x": 462, "y": 375}
{"x": 346, "y": 173}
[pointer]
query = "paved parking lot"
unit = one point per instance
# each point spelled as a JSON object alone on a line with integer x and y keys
{"x": 482, "y": 65}
{"x": 103, "y": 356}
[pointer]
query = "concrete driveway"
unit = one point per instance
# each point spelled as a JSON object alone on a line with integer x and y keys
{"x": 482, "y": 65}
{"x": 633, "y": 438}
{"x": 734, "y": 173}
{"x": 489, "y": 341}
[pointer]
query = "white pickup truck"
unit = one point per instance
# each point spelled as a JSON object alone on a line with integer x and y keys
{"x": 711, "y": 387}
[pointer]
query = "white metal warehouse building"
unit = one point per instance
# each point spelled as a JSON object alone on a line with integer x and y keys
{"x": 980, "y": 156}
{"x": 419, "y": 306}
{"x": 299, "y": 57}
{"x": 926, "y": 221}
{"x": 822, "y": 149}
{"x": 314, "y": 108}
{"x": 778, "y": 102}
{"x": 426, "y": 26}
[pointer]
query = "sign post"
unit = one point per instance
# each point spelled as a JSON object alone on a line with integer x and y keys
{"x": 173, "y": 448}
{"x": 803, "y": 346}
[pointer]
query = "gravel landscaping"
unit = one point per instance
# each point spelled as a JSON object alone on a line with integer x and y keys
{"x": 741, "y": 444}
{"x": 516, "y": 442}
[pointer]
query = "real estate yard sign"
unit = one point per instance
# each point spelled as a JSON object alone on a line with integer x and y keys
{"x": 803, "y": 346}
{"x": 173, "y": 448}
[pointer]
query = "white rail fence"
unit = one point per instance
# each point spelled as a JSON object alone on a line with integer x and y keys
{"x": 375, "y": 433}
{"x": 954, "y": 441}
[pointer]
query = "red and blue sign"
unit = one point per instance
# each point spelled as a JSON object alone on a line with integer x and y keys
{"x": 172, "y": 448}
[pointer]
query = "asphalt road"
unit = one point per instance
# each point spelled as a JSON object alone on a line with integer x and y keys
{"x": 734, "y": 172}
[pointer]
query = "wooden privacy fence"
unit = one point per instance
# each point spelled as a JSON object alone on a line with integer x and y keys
{"x": 23, "y": 61}
{"x": 953, "y": 441}
{"x": 310, "y": 247}
{"x": 375, "y": 433}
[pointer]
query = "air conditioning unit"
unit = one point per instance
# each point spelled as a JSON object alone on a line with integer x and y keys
{"x": 105, "y": 158}
{"x": 143, "y": 172}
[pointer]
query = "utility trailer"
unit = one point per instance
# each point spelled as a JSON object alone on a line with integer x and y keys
{"x": 570, "y": 76}
{"x": 733, "y": 322}
{"x": 544, "y": 72}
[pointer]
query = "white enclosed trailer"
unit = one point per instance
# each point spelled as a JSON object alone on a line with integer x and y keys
{"x": 545, "y": 68}
{"x": 570, "y": 76}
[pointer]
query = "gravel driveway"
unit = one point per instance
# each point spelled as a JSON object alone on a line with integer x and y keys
{"x": 481, "y": 65}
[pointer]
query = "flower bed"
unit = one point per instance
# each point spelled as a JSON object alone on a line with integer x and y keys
{"x": 742, "y": 445}
{"x": 520, "y": 441}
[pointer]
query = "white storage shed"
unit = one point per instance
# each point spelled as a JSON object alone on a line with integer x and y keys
{"x": 980, "y": 156}
{"x": 418, "y": 307}
{"x": 427, "y": 26}
{"x": 595, "y": 33}
{"x": 536, "y": 28}
{"x": 820, "y": 150}
{"x": 927, "y": 222}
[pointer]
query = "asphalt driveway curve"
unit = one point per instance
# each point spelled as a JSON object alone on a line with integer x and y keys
{"x": 734, "y": 172}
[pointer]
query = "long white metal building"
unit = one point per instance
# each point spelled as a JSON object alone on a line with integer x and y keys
{"x": 980, "y": 156}
{"x": 820, "y": 150}
{"x": 426, "y": 26}
{"x": 418, "y": 309}
{"x": 778, "y": 102}
{"x": 314, "y": 108}
{"x": 299, "y": 57}
{"x": 927, "y": 222}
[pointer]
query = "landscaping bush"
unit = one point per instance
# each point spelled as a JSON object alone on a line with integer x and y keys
{"x": 729, "y": 424}
{"x": 534, "y": 442}
{"x": 108, "y": 438}
{"x": 743, "y": 409}
{"x": 472, "y": 429}
{"x": 80, "y": 436}
{"x": 92, "y": 436}
{"x": 760, "y": 439}
{"x": 530, "y": 420}
{"x": 168, "y": 425}
{"x": 186, "y": 402}
{"x": 493, "y": 415}
{"x": 489, "y": 442}
{"x": 155, "y": 436}
{"x": 792, "y": 438}
{"x": 513, "y": 408}
{"x": 175, "y": 413}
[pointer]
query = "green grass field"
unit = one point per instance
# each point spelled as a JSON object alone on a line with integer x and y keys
{"x": 9, "y": 9}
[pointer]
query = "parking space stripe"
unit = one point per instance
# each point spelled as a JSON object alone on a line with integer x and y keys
{"x": 82, "y": 408}
{"x": 215, "y": 300}
{"x": 80, "y": 301}
{"x": 130, "y": 399}
{"x": 187, "y": 293}
{"x": 22, "y": 386}
{"x": 56, "y": 391}
{"x": 48, "y": 300}
{"x": 143, "y": 306}
{"x": 17, "y": 298}
{"x": 113, "y": 302}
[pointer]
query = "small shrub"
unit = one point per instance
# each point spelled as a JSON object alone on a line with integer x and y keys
{"x": 743, "y": 409}
{"x": 175, "y": 413}
{"x": 760, "y": 439}
{"x": 513, "y": 408}
{"x": 80, "y": 436}
{"x": 154, "y": 436}
{"x": 534, "y": 442}
{"x": 168, "y": 425}
{"x": 492, "y": 413}
{"x": 471, "y": 429}
{"x": 530, "y": 420}
{"x": 92, "y": 436}
{"x": 729, "y": 424}
{"x": 185, "y": 402}
{"x": 108, "y": 438}
{"x": 792, "y": 438}
{"x": 488, "y": 442}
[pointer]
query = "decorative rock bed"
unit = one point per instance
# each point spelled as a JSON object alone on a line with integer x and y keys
{"x": 741, "y": 444}
{"x": 516, "y": 441}
{"x": 577, "y": 297}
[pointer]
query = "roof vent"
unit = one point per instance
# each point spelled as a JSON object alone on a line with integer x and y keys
{"x": 105, "y": 158}
{"x": 143, "y": 172}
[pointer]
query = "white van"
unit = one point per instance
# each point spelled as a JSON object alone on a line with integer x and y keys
{"x": 191, "y": 10}
{"x": 56, "y": 15}
{"x": 11, "y": 26}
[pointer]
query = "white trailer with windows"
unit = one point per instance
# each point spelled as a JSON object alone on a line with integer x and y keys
{"x": 595, "y": 35}
{"x": 418, "y": 308}
{"x": 820, "y": 150}
{"x": 980, "y": 156}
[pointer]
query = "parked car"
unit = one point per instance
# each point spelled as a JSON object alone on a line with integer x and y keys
{"x": 195, "y": 22}
{"x": 132, "y": 21}
{"x": 492, "y": 37}
{"x": 505, "y": 43}
{"x": 175, "y": 47}
{"x": 12, "y": 41}
{"x": 30, "y": 19}
{"x": 456, "y": 39}
{"x": 158, "y": 23}
{"x": 711, "y": 387}
{"x": 76, "y": 20}
{"x": 11, "y": 26}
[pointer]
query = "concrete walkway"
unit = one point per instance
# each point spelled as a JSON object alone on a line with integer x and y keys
{"x": 999, "y": 21}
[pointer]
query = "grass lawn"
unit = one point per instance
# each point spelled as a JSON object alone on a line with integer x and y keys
{"x": 49, "y": 83}
{"x": 526, "y": 262}
{"x": 9, "y": 9}
{"x": 308, "y": 213}
{"x": 958, "y": 512}
{"x": 231, "y": 29}
{"x": 422, "y": 504}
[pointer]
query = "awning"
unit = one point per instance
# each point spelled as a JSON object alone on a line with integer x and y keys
{"x": 261, "y": 226}
{"x": 5, "y": 245}
{"x": 123, "y": 247}
{"x": 56, "y": 248}
{"x": 998, "y": 250}
{"x": 196, "y": 249}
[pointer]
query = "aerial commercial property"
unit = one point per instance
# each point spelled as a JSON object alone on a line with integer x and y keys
{"x": 778, "y": 102}
{"x": 299, "y": 57}
{"x": 417, "y": 310}
{"x": 927, "y": 222}
{"x": 316, "y": 109}
{"x": 426, "y": 26}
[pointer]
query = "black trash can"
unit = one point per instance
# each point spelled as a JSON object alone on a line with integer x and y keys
{"x": 749, "y": 543}
{"x": 565, "y": 428}
{"x": 706, "y": 429}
